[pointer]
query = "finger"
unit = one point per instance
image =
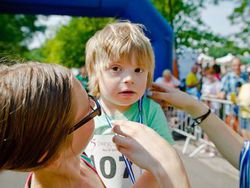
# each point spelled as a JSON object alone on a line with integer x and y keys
{"x": 125, "y": 128}
{"x": 157, "y": 87}
{"x": 160, "y": 95}
{"x": 121, "y": 122}
{"x": 125, "y": 152}
{"x": 166, "y": 97}
{"x": 117, "y": 129}
{"x": 121, "y": 141}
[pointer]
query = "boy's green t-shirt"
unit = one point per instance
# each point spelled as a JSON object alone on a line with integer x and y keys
{"x": 153, "y": 117}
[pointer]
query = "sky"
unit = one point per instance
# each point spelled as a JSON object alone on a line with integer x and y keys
{"x": 215, "y": 16}
{"x": 52, "y": 23}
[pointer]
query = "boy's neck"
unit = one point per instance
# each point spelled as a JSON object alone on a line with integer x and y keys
{"x": 111, "y": 109}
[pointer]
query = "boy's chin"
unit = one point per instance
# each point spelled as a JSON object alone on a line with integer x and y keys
{"x": 127, "y": 103}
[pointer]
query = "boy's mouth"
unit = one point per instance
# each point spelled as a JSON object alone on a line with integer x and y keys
{"x": 127, "y": 92}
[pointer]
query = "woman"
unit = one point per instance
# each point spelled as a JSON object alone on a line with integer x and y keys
{"x": 168, "y": 80}
{"x": 46, "y": 121}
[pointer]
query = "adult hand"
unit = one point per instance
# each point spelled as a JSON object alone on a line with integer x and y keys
{"x": 141, "y": 144}
{"x": 144, "y": 147}
{"x": 178, "y": 99}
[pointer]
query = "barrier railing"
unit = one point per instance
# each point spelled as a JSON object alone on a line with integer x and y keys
{"x": 226, "y": 110}
{"x": 180, "y": 122}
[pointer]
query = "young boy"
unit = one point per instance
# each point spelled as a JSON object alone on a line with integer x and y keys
{"x": 120, "y": 64}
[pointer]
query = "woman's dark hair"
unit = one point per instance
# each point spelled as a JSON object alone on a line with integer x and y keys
{"x": 35, "y": 102}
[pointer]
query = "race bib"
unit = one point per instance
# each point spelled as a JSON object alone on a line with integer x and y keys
{"x": 109, "y": 162}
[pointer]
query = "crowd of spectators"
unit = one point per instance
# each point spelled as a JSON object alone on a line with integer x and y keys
{"x": 208, "y": 82}
{"x": 227, "y": 94}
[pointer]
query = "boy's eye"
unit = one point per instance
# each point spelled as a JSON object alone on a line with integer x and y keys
{"x": 116, "y": 68}
{"x": 139, "y": 70}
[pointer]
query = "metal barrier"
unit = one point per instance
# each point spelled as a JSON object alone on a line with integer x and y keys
{"x": 180, "y": 122}
{"x": 226, "y": 110}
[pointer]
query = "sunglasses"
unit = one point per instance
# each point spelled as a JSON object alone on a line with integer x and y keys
{"x": 95, "y": 111}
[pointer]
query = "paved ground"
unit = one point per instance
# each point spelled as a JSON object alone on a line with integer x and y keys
{"x": 207, "y": 172}
{"x": 204, "y": 172}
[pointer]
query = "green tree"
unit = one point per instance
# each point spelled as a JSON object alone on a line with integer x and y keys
{"x": 185, "y": 18}
{"x": 16, "y": 32}
{"x": 241, "y": 17}
{"x": 190, "y": 30}
{"x": 68, "y": 46}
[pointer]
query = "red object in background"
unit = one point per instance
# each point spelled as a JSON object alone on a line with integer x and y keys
{"x": 175, "y": 67}
{"x": 233, "y": 122}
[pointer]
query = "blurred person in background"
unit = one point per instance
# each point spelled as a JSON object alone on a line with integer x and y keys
{"x": 231, "y": 80}
{"x": 243, "y": 101}
{"x": 210, "y": 88}
{"x": 217, "y": 71}
{"x": 231, "y": 83}
{"x": 168, "y": 80}
{"x": 192, "y": 81}
{"x": 83, "y": 77}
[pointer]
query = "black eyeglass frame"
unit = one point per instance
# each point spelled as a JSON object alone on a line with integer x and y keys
{"x": 91, "y": 115}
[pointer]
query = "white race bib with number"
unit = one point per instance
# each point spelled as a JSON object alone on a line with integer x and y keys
{"x": 109, "y": 162}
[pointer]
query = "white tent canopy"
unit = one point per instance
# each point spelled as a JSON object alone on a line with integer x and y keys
{"x": 205, "y": 60}
{"x": 204, "y": 57}
{"x": 226, "y": 59}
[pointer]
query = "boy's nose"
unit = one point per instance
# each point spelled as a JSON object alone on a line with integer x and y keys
{"x": 128, "y": 79}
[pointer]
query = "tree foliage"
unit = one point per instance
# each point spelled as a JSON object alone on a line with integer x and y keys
{"x": 241, "y": 16}
{"x": 185, "y": 18}
{"x": 16, "y": 32}
{"x": 190, "y": 30}
{"x": 68, "y": 46}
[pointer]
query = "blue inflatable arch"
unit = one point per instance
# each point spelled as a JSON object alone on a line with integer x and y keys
{"x": 137, "y": 11}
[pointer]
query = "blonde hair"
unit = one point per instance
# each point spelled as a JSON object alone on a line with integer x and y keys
{"x": 166, "y": 72}
{"x": 115, "y": 42}
{"x": 35, "y": 115}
